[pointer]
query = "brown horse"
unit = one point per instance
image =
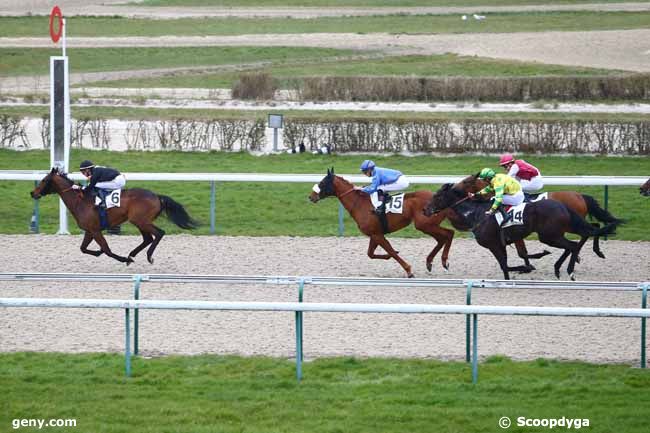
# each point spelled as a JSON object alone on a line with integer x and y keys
{"x": 139, "y": 206}
{"x": 645, "y": 189}
{"x": 582, "y": 204}
{"x": 358, "y": 204}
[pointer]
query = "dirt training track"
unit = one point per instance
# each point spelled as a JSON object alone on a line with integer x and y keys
{"x": 326, "y": 334}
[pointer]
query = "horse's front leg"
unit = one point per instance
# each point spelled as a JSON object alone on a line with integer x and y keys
{"x": 383, "y": 242}
{"x": 88, "y": 238}
{"x": 101, "y": 241}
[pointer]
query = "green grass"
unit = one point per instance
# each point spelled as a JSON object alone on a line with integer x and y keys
{"x": 412, "y": 24}
{"x": 143, "y": 113}
{"x": 233, "y": 394}
{"x": 422, "y": 66}
{"x": 274, "y": 209}
{"x": 18, "y": 61}
{"x": 371, "y": 3}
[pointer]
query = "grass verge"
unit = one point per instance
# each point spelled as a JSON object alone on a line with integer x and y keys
{"x": 234, "y": 394}
{"x": 400, "y": 23}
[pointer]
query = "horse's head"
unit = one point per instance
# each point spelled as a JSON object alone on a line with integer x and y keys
{"x": 447, "y": 196}
{"x": 54, "y": 181}
{"x": 324, "y": 188}
{"x": 471, "y": 183}
{"x": 645, "y": 189}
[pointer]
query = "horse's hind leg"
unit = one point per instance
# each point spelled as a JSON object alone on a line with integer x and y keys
{"x": 88, "y": 238}
{"x": 383, "y": 242}
{"x": 101, "y": 241}
{"x": 597, "y": 250}
{"x": 372, "y": 247}
{"x": 147, "y": 238}
{"x": 569, "y": 247}
{"x": 158, "y": 235}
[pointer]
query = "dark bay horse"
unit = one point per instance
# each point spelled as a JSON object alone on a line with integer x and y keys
{"x": 645, "y": 189}
{"x": 139, "y": 206}
{"x": 582, "y": 204}
{"x": 358, "y": 204}
{"x": 550, "y": 219}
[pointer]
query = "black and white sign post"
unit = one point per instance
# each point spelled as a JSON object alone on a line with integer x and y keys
{"x": 59, "y": 108}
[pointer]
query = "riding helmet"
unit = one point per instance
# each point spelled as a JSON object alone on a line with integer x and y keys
{"x": 86, "y": 164}
{"x": 486, "y": 173}
{"x": 367, "y": 165}
{"x": 506, "y": 159}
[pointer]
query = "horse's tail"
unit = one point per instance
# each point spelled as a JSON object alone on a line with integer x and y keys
{"x": 583, "y": 228}
{"x": 177, "y": 213}
{"x": 602, "y": 215}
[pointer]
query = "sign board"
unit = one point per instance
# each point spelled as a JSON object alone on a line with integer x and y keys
{"x": 276, "y": 121}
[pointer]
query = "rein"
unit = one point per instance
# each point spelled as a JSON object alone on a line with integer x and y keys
{"x": 346, "y": 193}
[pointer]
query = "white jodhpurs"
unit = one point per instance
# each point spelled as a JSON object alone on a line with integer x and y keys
{"x": 116, "y": 183}
{"x": 533, "y": 185}
{"x": 401, "y": 183}
{"x": 514, "y": 199}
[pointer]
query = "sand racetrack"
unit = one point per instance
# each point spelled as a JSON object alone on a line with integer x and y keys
{"x": 326, "y": 334}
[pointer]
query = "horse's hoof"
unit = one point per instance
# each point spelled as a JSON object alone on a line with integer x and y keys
{"x": 429, "y": 266}
{"x": 600, "y": 254}
{"x": 446, "y": 266}
{"x": 557, "y": 274}
{"x": 572, "y": 275}
{"x": 411, "y": 276}
{"x": 128, "y": 261}
{"x": 578, "y": 259}
{"x": 150, "y": 259}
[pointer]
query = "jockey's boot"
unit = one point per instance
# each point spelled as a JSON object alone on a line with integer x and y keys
{"x": 381, "y": 214}
{"x": 102, "y": 193}
{"x": 506, "y": 217}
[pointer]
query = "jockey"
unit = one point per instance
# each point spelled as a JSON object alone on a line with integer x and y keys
{"x": 526, "y": 174}
{"x": 103, "y": 179}
{"x": 383, "y": 180}
{"x": 506, "y": 190}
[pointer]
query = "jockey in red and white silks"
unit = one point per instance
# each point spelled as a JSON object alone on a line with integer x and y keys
{"x": 528, "y": 176}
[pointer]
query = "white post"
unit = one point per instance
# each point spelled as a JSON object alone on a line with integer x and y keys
{"x": 60, "y": 140}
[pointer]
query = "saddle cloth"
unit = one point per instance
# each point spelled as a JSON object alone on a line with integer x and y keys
{"x": 113, "y": 199}
{"x": 395, "y": 203}
{"x": 515, "y": 216}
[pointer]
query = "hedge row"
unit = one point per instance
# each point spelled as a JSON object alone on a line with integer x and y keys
{"x": 376, "y": 136}
{"x": 517, "y": 89}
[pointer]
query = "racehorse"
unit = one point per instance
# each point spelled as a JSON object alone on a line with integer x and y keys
{"x": 550, "y": 219}
{"x": 645, "y": 189}
{"x": 582, "y": 204}
{"x": 358, "y": 205}
{"x": 139, "y": 206}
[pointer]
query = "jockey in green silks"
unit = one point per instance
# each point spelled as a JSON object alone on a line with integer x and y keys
{"x": 506, "y": 190}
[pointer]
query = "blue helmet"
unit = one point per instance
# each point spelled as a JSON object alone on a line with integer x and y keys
{"x": 367, "y": 165}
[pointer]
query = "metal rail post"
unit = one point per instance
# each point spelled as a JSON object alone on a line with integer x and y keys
{"x": 475, "y": 349}
{"x": 468, "y": 339}
{"x": 213, "y": 206}
{"x": 341, "y": 213}
{"x": 299, "y": 355}
{"x": 644, "y": 303}
{"x": 137, "y": 279}
{"x": 127, "y": 343}
{"x": 606, "y": 200}
{"x": 33, "y": 227}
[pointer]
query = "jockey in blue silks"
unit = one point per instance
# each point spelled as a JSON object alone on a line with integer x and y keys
{"x": 383, "y": 180}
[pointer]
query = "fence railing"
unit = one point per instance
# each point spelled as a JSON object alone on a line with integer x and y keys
{"x": 299, "y": 308}
{"x": 301, "y": 281}
{"x": 36, "y": 175}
